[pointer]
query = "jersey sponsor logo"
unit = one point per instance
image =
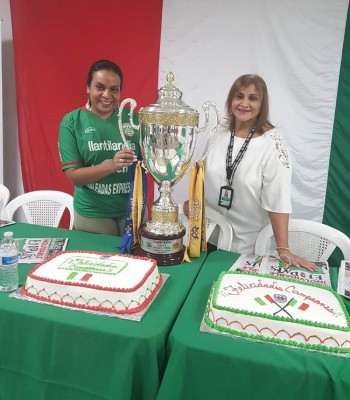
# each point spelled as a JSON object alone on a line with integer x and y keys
{"x": 110, "y": 188}
{"x": 90, "y": 129}
{"x": 108, "y": 145}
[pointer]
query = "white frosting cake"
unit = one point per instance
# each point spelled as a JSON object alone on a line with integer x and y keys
{"x": 113, "y": 283}
{"x": 279, "y": 310}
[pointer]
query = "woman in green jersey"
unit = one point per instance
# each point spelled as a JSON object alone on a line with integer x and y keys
{"x": 93, "y": 155}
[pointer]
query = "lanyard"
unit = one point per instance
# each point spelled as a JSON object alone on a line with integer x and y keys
{"x": 232, "y": 166}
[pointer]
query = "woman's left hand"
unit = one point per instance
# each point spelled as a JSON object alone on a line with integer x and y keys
{"x": 289, "y": 259}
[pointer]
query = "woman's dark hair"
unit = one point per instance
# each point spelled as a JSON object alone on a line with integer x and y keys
{"x": 107, "y": 65}
{"x": 262, "y": 122}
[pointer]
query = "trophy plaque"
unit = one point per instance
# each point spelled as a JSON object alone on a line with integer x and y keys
{"x": 168, "y": 132}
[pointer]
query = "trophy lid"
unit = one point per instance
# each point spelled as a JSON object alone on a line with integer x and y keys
{"x": 169, "y": 109}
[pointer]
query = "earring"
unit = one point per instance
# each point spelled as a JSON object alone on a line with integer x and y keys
{"x": 88, "y": 104}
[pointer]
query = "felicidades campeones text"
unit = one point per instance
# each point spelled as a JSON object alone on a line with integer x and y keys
{"x": 236, "y": 290}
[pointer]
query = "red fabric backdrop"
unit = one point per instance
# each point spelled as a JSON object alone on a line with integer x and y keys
{"x": 55, "y": 42}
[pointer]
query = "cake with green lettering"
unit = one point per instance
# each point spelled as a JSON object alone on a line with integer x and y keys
{"x": 279, "y": 310}
{"x": 103, "y": 282}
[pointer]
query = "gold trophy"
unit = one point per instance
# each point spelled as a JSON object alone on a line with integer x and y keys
{"x": 168, "y": 132}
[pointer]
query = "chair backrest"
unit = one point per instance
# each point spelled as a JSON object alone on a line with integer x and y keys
{"x": 41, "y": 207}
{"x": 309, "y": 239}
{"x": 213, "y": 220}
{"x": 4, "y": 196}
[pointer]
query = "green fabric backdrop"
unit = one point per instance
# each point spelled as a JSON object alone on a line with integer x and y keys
{"x": 337, "y": 205}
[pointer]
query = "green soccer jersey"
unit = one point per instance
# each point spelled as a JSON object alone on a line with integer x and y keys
{"x": 86, "y": 140}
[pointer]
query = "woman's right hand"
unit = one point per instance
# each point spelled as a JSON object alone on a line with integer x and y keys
{"x": 123, "y": 158}
{"x": 86, "y": 175}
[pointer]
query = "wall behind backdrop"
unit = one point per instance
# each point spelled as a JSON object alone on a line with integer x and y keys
{"x": 10, "y": 157}
{"x": 296, "y": 46}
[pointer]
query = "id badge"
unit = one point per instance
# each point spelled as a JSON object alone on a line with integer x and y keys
{"x": 226, "y": 196}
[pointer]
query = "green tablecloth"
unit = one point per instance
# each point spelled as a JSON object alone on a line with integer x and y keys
{"x": 48, "y": 352}
{"x": 209, "y": 366}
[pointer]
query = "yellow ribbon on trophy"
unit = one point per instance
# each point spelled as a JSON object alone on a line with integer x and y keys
{"x": 196, "y": 228}
{"x": 136, "y": 206}
{"x": 136, "y": 203}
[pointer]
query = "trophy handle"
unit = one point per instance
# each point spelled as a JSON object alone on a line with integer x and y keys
{"x": 132, "y": 108}
{"x": 206, "y": 106}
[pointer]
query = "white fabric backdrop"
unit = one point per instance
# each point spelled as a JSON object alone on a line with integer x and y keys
{"x": 295, "y": 46}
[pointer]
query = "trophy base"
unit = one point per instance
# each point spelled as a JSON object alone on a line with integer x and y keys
{"x": 162, "y": 259}
{"x": 165, "y": 249}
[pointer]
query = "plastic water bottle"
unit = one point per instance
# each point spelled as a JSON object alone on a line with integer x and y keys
{"x": 9, "y": 263}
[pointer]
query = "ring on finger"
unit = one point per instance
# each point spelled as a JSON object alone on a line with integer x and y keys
{"x": 122, "y": 160}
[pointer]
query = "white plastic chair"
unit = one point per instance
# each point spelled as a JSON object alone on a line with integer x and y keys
{"x": 41, "y": 207}
{"x": 4, "y": 196}
{"x": 309, "y": 239}
{"x": 213, "y": 219}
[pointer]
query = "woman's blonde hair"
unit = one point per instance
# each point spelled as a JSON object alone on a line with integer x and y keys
{"x": 262, "y": 122}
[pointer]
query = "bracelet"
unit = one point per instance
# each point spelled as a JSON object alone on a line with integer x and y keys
{"x": 282, "y": 248}
{"x": 284, "y": 255}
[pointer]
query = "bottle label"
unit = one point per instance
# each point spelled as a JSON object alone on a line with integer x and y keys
{"x": 9, "y": 260}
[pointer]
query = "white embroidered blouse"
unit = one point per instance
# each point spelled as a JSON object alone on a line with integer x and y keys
{"x": 262, "y": 183}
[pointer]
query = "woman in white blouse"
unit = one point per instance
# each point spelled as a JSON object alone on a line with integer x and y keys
{"x": 248, "y": 171}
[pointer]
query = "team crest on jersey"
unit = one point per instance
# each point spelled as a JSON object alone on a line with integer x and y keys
{"x": 90, "y": 129}
{"x": 127, "y": 129}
